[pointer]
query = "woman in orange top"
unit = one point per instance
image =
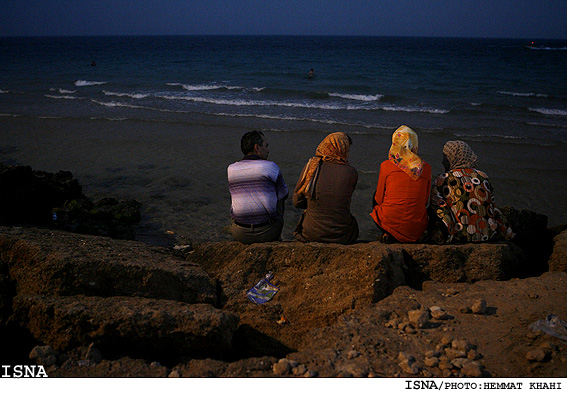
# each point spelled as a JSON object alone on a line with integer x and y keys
{"x": 402, "y": 195}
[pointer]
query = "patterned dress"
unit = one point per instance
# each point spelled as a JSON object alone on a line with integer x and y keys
{"x": 463, "y": 199}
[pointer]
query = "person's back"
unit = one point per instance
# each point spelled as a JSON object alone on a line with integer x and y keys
{"x": 252, "y": 185}
{"x": 258, "y": 192}
{"x": 399, "y": 206}
{"x": 328, "y": 217}
{"x": 403, "y": 209}
{"x": 324, "y": 190}
{"x": 462, "y": 200}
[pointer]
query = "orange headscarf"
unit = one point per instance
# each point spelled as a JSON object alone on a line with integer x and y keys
{"x": 403, "y": 152}
{"x": 333, "y": 149}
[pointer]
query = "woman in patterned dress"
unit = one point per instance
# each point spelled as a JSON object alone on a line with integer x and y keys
{"x": 462, "y": 199}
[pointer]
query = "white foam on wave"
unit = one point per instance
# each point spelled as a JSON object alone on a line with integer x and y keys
{"x": 259, "y": 103}
{"x": 113, "y": 104}
{"x": 202, "y": 87}
{"x": 415, "y": 109}
{"x": 547, "y": 48}
{"x": 131, "y": 95}
{"x": 358, "y": 97}
{"x": 63, "y": 97}
{"x": 550, "y": 111}
{"x": 81, "y": 82}
{"x": 489, "y": 136}
{"x": 62, "y": 91}
{"x": 520, "y": 94}
{"x": 559, "y": 126}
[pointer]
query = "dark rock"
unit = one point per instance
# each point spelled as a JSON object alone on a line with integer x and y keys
{"x": 45, "y": 199}
{"x": 44, "y": 355}
{"x": 532, "y": 236}
{"x": 558, "y": 260}
{"x": 127, "y": 325}
{"x": 61, "y": 263}
{"x": 538, "y": 355}
{"x": 107, "y": 217}
{"x": 28, "y": 196}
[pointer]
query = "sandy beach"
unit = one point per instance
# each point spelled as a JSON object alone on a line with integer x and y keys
{"x": 178, "y": 171}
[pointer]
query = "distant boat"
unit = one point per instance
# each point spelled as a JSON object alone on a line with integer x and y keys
{"x": 533, "y": 46}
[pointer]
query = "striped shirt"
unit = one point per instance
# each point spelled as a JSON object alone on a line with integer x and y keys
{"x": 255, "y": 186}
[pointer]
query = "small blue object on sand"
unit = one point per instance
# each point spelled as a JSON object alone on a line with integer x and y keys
{"x": 263, "y": 292}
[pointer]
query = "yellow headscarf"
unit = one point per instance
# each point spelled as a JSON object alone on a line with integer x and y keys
{"x": 403, "y": 152}
{"x": 333, "y": 149}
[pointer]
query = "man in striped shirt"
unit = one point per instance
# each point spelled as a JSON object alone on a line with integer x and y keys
{"x": 258, "y": 192}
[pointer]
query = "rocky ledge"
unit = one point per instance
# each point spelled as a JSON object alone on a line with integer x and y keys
{"x": 91, "y": 306}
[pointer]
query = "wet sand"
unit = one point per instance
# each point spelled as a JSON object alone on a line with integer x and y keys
{"x": 178, "y": 172}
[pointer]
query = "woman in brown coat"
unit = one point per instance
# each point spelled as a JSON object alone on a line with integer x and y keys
{"x": 324, "y": 190}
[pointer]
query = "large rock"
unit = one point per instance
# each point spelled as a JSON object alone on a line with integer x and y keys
{"x": 558, "y": 260}
{"x": 532, "y": 236}
{"x": 319, "y": 282}
{"x": 462, "y": 263}
{"x": 127, "y": 325}
{"x": 28, "y": 196}
{"x": 60, "y": 263}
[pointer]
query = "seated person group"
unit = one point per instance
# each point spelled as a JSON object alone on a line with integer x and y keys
{"x": 407, "y": 207}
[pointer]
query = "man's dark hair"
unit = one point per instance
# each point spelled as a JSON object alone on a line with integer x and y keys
{"x": 249, "y": 140}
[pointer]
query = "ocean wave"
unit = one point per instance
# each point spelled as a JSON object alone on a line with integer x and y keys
{"x": 483, "y": 136}
{"x": 558, "y": 126}
{"x": 547, "y": 48}
{"x": 295, "y": 119}
{"x": 65, "y": 97}
{"x": 550, "y": 111}
{"x": 81, "y": 82}
{"x": 359, "y": 97}
{"x": 260, "y": 103}
{"x": 202, "y": 87}
{"x": 113, "y": 104}
{"x": 519, "y": 94}
{"x": 62, "y": 91}
{"x": 415, "y": 109}
{"x": 131, "y": 95}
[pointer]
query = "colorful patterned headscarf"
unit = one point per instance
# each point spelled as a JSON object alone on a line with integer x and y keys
{"x": 459, "y": 154}
{"x": 333, "y": 149}
{"x": 403, "y": 152}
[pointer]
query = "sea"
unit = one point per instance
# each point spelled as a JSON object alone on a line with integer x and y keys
{"x": 159, "y": 118}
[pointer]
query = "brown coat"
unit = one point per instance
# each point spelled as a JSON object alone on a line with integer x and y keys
{"x": 327, "y": 217}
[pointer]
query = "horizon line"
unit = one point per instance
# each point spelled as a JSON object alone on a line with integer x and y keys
{"x": 272, "y": 35}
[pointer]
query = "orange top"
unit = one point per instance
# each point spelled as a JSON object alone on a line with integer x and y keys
{"x": 400, "y": 203}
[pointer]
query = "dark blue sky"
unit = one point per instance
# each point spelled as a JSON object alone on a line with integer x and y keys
{"x": 534, "y": 19}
